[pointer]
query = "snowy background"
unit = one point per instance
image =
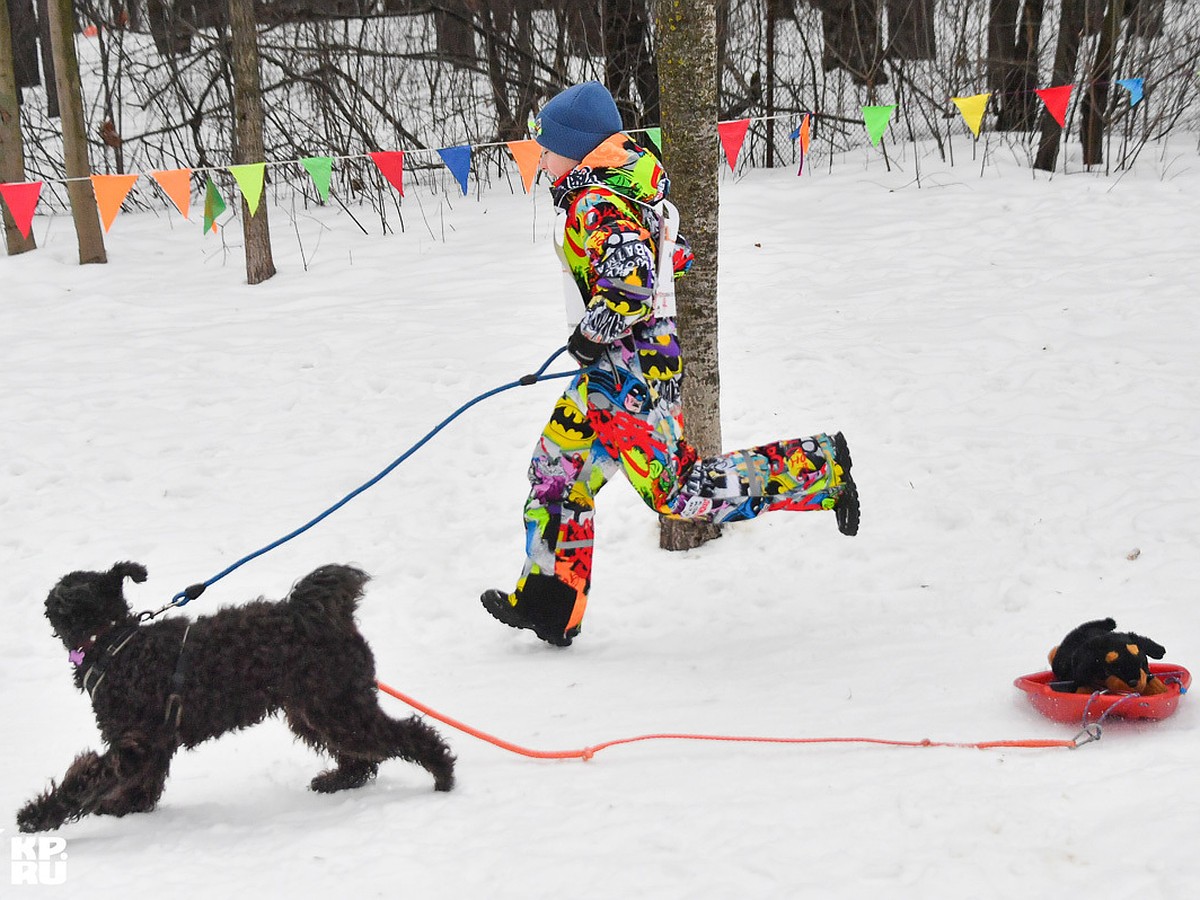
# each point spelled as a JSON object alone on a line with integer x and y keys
{"x": 1012, "y": 357}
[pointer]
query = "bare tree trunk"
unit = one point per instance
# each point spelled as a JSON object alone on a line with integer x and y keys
{"x": 1066, "y": 57}
{"x": 1093, "y": 106}
{"x": 12, "y": 153}
{"x": 628, "y": 64}
{"x": 687, "y": 69}
{"x": 248, "y": 134}
{"x": 75, "y": 149}
{"x": 769, "y": 52}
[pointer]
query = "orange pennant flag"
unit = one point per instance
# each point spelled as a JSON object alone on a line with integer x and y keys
{"x": 177, "y": 185}
{"x": 733, "y": 135}
{"x": 1056, "y": 100}
{"x": 111, "y": 191}
{"x": 527, "y": 154}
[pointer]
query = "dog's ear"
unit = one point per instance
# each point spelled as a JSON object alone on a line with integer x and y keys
{"x": 1153, "y": 649}
{"x": 133, "y": 570}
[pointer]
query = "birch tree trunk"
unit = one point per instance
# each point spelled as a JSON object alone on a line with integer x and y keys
{"x": 687, "y": 73}
{"x": 12, "y": 152}
{"x": 75, "y": 149}
{"x": 248, "y": 134}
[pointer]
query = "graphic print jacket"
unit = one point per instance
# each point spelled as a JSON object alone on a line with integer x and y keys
{"x": 611, "y": 235}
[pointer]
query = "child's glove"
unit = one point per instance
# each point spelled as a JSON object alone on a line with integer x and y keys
{"x": 586, "y": 352}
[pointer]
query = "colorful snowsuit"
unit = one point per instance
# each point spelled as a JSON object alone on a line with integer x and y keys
{"x": 623, "y": 411}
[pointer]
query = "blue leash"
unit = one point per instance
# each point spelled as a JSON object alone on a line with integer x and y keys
{"x": 193, "y": 591}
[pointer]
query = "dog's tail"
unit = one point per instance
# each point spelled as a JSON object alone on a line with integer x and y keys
{"x": 330, "y": 592}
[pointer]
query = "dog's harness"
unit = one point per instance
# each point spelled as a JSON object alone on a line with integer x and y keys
{"x": 95, "y": 671}
{"x": 175, "y": 700}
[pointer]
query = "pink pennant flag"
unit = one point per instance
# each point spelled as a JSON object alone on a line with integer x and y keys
{"x": 391, "y": 165}
{"x": 22, "y": 198}
{"x": 1056, "y": 100}
{"x": 733, "y": 135}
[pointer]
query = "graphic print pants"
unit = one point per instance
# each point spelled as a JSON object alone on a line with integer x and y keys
{"x": 613, "y": 417}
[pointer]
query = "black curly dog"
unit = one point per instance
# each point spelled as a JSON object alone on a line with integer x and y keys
{"x": 157, "y": 687}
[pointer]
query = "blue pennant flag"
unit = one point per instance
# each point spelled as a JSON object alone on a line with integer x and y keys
{"x": 1135, "y": 87}
{"x": 458, "y": 161}
{"x": 795, "y": 135}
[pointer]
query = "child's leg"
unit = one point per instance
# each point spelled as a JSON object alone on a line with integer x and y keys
{"x": 800, "y": 474}
{"x": 567, "y": 470}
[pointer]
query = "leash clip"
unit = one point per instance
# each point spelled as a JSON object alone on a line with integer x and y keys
{"x": 1092, "y": 730}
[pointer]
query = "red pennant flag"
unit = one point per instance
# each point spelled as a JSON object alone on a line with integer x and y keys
{"x": 21, "y": 198}
{"x": 733, "y": 135}
{"x": 391, "y": 165}
{"x": 1056, "y": 100}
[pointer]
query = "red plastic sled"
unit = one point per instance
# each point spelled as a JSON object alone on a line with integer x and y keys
{"x": 1072, "y": 707}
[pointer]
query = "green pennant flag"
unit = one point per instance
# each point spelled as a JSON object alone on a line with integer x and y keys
{"x": 250, "y": 179}
{"x": 655, "y": 135}
{"x": 876, "y": 119}
{"x": 214, "y": 205}
{"x": 320, "y": 169}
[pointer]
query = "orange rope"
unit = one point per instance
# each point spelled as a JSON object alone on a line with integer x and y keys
{"x": 589, "y": 752}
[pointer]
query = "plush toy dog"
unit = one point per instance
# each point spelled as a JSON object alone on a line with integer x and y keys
{"x": 1096, "y": 657}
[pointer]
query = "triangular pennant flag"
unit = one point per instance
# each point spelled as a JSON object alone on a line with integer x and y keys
{"x": 655, "y": 136}
{"x": 250, "y": 179}
{"x": 177, "y": 185}
{"x": 320, "y": 169}
{"x": 390, "y": 164}
{"x": 214, "y": 205}
{"x": 111, "y": 191}
{"x": 803, "y": 135}
{"x": 1056, "y": 100}
{"x": 528, "y": 155}
{"x": 876, "y": 119}
{"x": 1135, "y": 86}
{"x": 22, "y": 198}
{"x": 458, "y": 161}
{"x": 972, "y": 109}
{"x": 733, "y": 135}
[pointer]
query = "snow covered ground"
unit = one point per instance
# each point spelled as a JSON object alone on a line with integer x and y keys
{"x": 1011, "y": 356}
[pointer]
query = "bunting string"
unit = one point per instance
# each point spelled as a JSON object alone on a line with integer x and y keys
{"x": 111, "y": 190}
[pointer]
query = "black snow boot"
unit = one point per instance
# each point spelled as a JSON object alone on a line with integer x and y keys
{"x": 846, "y": 509}
{"x": 543, "y": 606}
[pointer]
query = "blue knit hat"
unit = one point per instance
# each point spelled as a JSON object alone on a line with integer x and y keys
{"x": 577, "y": 121}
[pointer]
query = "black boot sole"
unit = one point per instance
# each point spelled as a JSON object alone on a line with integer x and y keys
{"x": 496, "y": 603}
{"x": 847, "y": 507}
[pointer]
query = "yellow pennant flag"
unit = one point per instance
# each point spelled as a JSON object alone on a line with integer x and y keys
{"x": 249, "y": 178}
{"x": 972, "y": 109}
{"x": 177, "y": 185}
{"x": 111, "y": 191}
{"x": 527, "y": 154}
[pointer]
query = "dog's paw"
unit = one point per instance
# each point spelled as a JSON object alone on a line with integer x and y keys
{"x": 343, "y": 778}
{"x": 39, "y": 815}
